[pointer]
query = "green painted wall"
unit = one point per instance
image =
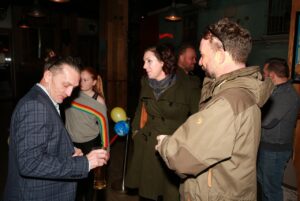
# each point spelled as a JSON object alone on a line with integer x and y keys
{"x": 251, "y": 14}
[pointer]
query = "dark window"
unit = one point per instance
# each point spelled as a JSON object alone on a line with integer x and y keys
{"x": 279, "y": 16}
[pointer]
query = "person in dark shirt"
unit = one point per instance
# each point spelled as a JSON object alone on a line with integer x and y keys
{"x": 279, "y": 116}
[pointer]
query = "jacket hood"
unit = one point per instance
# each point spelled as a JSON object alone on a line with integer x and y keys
{"x": 249, "y": 78}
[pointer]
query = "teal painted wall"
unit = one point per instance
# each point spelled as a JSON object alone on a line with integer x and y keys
{"x": 251, "y": 14}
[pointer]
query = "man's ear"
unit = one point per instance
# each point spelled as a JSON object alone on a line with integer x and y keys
{"x": 272, "y": 74}
{"x": 47, "y": 76}
{"x": 220, "y": 56}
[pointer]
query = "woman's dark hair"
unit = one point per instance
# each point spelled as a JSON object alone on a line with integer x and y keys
{"x": 165, "y": 53}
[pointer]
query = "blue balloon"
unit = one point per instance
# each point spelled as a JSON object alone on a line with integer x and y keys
{"x": 121, "y": 128}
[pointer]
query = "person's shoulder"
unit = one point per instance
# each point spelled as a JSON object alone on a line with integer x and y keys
{"x": 287, "y": 90}
{"x": 32, "y": 95}
{"x": 30, "y": 102}
{"x": 101, "y": 100}
{"x": 144, "y": 81}
{"x": 144, "y": 78}
{"x": 195, "y": 80}
{"x": 192, "y": 81}
{"x": 238, "y": 98}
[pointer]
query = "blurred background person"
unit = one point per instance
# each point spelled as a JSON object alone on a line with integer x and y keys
{"x": 167, "y": 99}
{"x": 50, "y": 54}
{"x": 187, "y": 63}
{"x": 279, "y": 116}
{"x": 187, "y": 58}
{"x": 87, "y": 123}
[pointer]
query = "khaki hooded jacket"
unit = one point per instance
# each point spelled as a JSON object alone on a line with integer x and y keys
{"x": 215, "y": 150}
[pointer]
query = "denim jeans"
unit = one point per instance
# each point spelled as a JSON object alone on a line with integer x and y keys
{"x": 270, "y": 170}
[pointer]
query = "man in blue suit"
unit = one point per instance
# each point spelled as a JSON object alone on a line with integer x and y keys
{"x": 43, "y": 163}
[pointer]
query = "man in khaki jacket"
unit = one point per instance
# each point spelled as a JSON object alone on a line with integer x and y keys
{"x": 215, "y": 150}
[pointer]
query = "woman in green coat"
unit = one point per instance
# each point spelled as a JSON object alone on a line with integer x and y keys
{"x": 168, "y": 97}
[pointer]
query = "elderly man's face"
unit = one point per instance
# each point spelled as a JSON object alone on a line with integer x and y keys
{"x": 61, "y": 83}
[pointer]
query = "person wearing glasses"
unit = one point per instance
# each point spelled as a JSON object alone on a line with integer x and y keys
{"x": 43, "y": 163}
{"x": 279, "y": 117}
{"x": 215, "y": 150}
{"x": 167, "y": 100}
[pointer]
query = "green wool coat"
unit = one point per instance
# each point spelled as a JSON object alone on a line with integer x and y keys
{"x": 146, "y": 170}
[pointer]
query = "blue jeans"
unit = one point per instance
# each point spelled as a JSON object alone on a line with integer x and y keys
{"x": 270, "y": 170}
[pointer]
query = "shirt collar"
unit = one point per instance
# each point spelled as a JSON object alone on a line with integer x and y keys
{"x": 54, "y": 103}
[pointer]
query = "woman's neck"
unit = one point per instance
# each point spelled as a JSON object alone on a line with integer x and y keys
{"x": 89, "y": 92}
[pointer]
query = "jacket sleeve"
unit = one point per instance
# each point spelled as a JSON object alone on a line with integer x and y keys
{"x": 42, "y": 152}
{"x": 205, "y": 139}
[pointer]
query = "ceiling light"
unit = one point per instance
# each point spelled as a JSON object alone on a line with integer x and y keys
{"x": 173, "y": 14}
{"x": 36, "y": 10}
{"x": 60, "y": 1}
{"x": 23, "y": 23}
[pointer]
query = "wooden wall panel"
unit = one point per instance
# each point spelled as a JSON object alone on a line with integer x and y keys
{"x": 117, "y": 25}
{"x": 295, "y": 8}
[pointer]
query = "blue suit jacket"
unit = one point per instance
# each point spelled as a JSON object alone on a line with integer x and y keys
{"x": 41, "y": 166}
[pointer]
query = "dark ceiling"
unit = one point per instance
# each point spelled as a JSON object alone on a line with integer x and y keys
{"x": 84, "y": 8}
{"x": 89, "y": 8}
{"x": 155, "y": 5}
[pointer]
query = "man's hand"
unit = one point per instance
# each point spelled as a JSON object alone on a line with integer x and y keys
{"x": 159, "y": 140}
{"x": 97, "y": 157}
{"x": 77, "y": 152}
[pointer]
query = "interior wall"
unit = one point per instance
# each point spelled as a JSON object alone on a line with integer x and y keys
{"x": 242, "y": 12}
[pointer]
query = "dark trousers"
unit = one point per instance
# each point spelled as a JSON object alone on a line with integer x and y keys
{"x": 85, "y": 187}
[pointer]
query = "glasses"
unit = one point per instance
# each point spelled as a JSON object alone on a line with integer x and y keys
{"x": 217, "y": 36}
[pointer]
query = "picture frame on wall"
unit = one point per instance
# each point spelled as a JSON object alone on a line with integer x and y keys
{"x": 295, "y": 70}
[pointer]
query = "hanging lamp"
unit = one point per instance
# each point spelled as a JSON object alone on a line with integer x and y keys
{"x": 173, "y": 14}
{"x": 23, "y": 23}
{"x": 36, "y": 10}
{"x": 60, "y": 1}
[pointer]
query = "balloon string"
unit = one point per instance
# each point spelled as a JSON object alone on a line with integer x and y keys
{"x": 113, "y": 139}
